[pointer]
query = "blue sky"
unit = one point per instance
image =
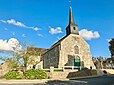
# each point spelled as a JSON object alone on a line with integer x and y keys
{"x": 43, "y": 22}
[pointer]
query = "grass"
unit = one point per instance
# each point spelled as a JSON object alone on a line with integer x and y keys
{"x": 58, "y": 70}
{"x": 47, "y": 70}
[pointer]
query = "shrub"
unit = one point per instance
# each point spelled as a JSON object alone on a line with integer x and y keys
{"x": 84, "y": 69}
{"x": 47, "y": 70}
{"x": 35, "y": 74}
{"x": 58, "y": 70}
{"x": 13, "y": 75}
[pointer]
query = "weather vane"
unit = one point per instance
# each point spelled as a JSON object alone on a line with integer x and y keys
{"x": 70, "y": 3}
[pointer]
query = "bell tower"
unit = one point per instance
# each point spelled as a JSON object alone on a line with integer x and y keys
{"x": 72, "y": 28}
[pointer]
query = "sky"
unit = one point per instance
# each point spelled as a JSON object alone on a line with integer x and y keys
{"x": 44, "y": 22}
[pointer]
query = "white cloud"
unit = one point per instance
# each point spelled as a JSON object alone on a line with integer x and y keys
{"x": 23, "y": 35}
{"x": 19, "y": 24}
{"x": 55, "y": 30}
{"x": 13, "y": 22}
{"x": 4, "y": 45}
{"x": 10, "y": 45}
{"x": 40, "y": 35}
{"x": 3, "y": 21}
{"x": 35, "y": 28}
{"x": 88, "y": 35}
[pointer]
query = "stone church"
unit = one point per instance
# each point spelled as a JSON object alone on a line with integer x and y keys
{"x": 70, "y": 51}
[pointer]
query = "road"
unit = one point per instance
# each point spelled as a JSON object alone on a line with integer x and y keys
{"x": 104, "y": 80}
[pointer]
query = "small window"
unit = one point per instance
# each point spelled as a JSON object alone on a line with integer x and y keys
{"x": 74, "y": 28}
{"x": 76, "y": 49}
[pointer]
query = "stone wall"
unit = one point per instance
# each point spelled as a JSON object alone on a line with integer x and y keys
{"x": 63, "y": 54}
{"x": 58, "y": 75}
{"x": 51, "y": 57}
{"x": 67, "y": 51}
{"x": 72, "y": 74}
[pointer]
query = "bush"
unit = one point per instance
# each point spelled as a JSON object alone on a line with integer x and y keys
{"x": 84, "y": 69}
{"x": 47, "y": 70}
{"x": 13, "y": 75}
{"x": 35, "y": 74}
{"x": 58, "y": 70}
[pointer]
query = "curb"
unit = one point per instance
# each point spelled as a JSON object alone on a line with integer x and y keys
{"x": 84, "y": 77}
{"x": 43, "y": 81}
{"x": 21, "y": 81}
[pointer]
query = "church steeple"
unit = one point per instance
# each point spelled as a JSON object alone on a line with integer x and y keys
{"x": 71, "y": 18}
{"x": 72, "y": 28}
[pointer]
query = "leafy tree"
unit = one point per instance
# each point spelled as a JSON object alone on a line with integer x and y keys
{"x": 111, "y": 47}
{"x": 19, "y": 58}
{"x": 34, "y": 55}
{"x": 3, "y": 58}
{"x": 29, "y": 55}
{"x": 11, "y": 63}
{"x": 22, "y": 56}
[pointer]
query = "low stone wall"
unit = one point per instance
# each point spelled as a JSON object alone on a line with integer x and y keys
{"x": 72, "y": 74}
{"x": 82, "y": 73}
{"x": 99, "y": 72}
{"x": 109, "y": 71}
{"x": 58, "y": 75}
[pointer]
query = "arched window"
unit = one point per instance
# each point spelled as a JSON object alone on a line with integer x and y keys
{"x": 76, "y": 49}
{"x": 74, "y": 28}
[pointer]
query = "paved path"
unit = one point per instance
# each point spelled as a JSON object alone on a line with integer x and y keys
{"x": 104, "y": 80}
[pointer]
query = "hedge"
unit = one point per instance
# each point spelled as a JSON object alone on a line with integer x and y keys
{"x": 29, "y": 74}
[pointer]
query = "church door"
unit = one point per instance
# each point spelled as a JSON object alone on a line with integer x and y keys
{"x": 77, "y": 62}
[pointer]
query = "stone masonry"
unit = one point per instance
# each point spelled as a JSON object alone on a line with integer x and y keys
{"x": 68, "y": 50}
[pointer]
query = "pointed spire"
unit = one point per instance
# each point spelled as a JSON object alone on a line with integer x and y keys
{"x": 71, "y": 18}
{"x": 72, "y": 28}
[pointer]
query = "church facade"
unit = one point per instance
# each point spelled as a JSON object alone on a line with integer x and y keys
{"x": 70, "y": 51}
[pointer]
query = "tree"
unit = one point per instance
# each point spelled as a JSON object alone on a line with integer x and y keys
{"x": 21, "y": 56}
{"x": 25, "y": 56}
{"x": 95, "y": 61}
{"x": 111, "y": 47}
{"x": 34, "y": 55}
{"x": 100, "y": 62}
{"x": 29, "y": 55}
{"x": 10, "y": 62}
